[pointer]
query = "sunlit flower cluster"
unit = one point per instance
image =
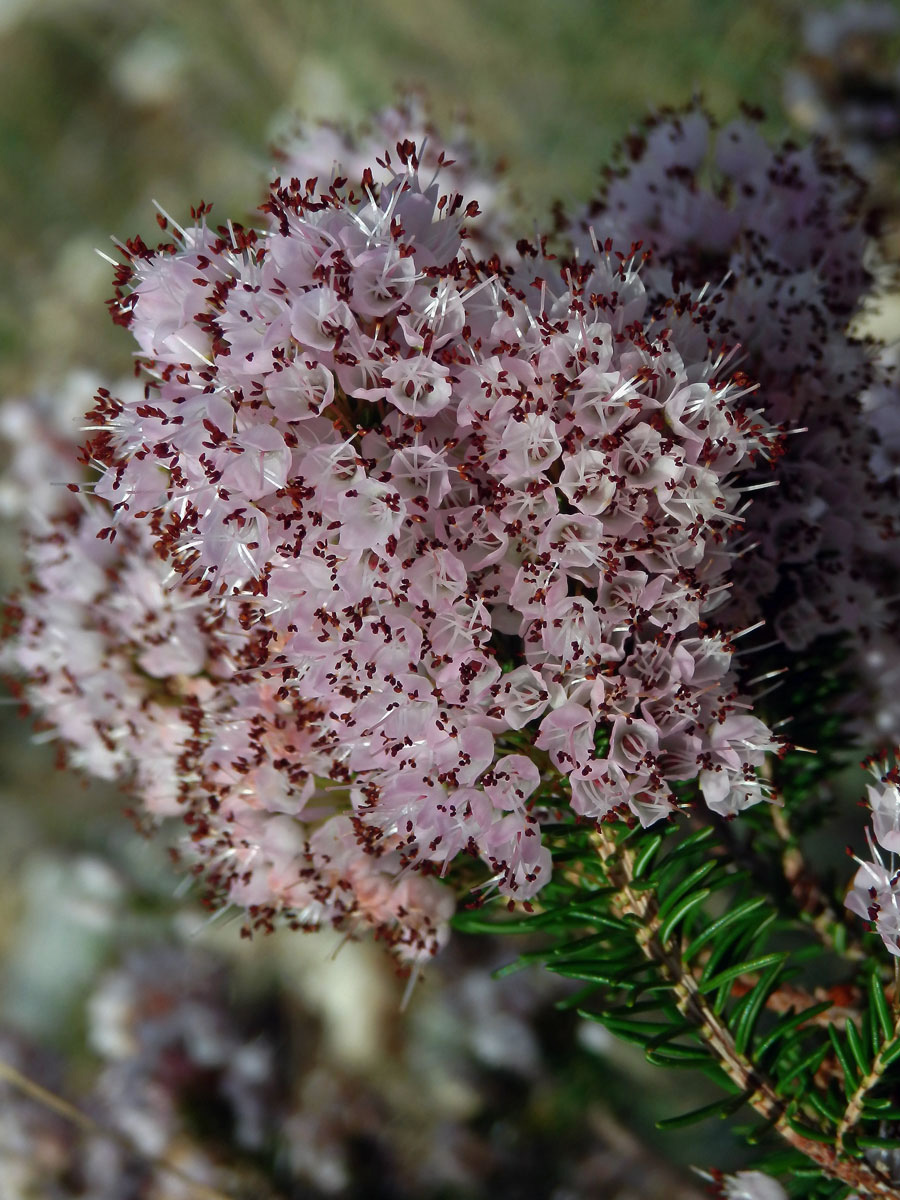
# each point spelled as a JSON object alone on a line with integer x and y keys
{"x": 398, "y": 551}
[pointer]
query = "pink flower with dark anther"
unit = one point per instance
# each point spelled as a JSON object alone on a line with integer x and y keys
{"x": 874, "y": 895}
{"x": 326, "y": 150}
{"x": 884, "y": 801}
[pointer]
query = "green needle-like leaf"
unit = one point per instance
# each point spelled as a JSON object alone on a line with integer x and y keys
{"x": 743, "y": 912}
{"x": 788, "y": 1025}
{"x": 743, "y": 968}
{"x": 854, "y": 1041}
{"x": 879, "y": 1143}
{"x": 685, "y": 887}
{"x": 825, "y": 1105}
{"x": 646, "y": 855}
{"x": 808, "y": 1131}
{"x": 851, "y": 1078}
{"x": 687, "y": 905}
{"x": 719, "y": 1108}
{"x": 679, "y": 1056}
{"x": 807, "y": 1066}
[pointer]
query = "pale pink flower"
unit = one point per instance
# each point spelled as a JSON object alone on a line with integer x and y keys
{"x": 884, "y": 801}
{"x": 874, "y": 895}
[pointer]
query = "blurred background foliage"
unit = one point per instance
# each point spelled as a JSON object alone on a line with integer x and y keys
{"x": 105, "y": 106}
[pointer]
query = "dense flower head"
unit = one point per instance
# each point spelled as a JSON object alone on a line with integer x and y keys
{"x": 770, "y": 243}
{"x": 397, "y": 552}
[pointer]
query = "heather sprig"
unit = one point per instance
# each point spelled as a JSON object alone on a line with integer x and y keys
{"x": 411, "y": 579}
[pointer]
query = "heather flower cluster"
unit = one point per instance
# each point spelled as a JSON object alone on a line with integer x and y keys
{"x": 400, "y": 551}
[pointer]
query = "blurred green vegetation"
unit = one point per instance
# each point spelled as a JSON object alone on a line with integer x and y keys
{"x": 105, "y": 105}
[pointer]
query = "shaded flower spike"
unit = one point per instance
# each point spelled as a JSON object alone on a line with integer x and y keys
{"x": 768, "y": 243}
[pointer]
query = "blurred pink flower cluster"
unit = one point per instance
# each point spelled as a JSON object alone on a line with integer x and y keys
{"x": 874, "y": 892}
{"x": 771, "y": 241}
